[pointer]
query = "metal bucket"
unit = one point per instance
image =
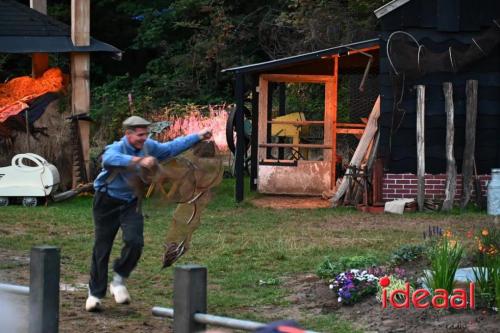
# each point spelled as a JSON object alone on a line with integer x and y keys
{"x": 494, "y": 193}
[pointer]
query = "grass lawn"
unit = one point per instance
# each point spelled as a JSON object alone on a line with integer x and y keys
{"x": 240, "y": 245}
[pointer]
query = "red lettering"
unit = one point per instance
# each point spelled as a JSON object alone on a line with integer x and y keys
{"x": 461, "y": 296}
{"x": 416, "y": 298}
{"x": 472, "y": 295}
{"x": 384, "y": 298}
{"x": 405, "y": 292}
{"x": 440, "y": 299}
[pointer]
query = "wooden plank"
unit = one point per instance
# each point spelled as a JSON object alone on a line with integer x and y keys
{"x": 355, "y": 131}
{"x": 421, "y": 146}
{"x": 294, "y": 122}
{"x": 365, "y": 49}
{"x": 293, "y": 145}
{"x": 364, "y": 142}
{"x": 281, "y": 112}
{"x": 297, "y": 78}
{"x": 351, "y": 125}
{"x": 451, "y": 169}
{"x": 84, "y": 126}
{"x": 328, "y": 121}
{"x": 80, "y": 22}
{"x": 262, "y": 137}
{"x": 470, "y": 141}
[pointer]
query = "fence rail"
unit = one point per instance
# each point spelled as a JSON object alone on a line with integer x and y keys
{"x": 14, "y": 289}
{"x": 190, "y": 295}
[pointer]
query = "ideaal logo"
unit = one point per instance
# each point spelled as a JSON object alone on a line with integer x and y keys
{"x": 440, "y": 299}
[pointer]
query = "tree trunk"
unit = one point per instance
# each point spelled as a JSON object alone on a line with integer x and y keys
{"x": 451, "y": 169}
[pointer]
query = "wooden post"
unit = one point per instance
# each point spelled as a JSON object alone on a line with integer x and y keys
{"x": 190, "y": 297}
{"x": 80, "y": 65}
{"x": 451, "y": 169}
{"x": 240, "y": 138}
{"x": 254, "y": 148}
{"x": 44, "y": 290}
{"x": 281, "y": 112}
{"x": 334, "y": 107}
{"x": 270, "y": 92}
{"x": 263, "y": 117}
{"x": 39, "y": 61}
{"x": 421, "y": 146}
{"x": 470, "y": 141}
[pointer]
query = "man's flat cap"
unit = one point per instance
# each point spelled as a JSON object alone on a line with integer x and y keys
{"x": 135, "y": 121}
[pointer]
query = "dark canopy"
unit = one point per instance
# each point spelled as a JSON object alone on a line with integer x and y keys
{"x": 24, "y": 30}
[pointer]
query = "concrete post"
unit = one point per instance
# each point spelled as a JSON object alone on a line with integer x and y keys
{"x": 44, "y": 290}
{"x": 190, "y": 297}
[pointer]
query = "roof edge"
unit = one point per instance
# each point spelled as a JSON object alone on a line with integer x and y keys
{"x": 389, "y": 7}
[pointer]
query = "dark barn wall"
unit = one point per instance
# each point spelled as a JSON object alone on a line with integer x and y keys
{"x": 437, "y": 24}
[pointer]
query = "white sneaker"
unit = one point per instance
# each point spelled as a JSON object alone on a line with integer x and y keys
{"x": 119, "y": 292}
{"x": 93, "y": 304}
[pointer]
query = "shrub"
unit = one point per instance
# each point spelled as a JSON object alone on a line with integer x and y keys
{"x": 407, "y": 252}
{"x": 445, "y": 256}
{"x": 330, "y": 268}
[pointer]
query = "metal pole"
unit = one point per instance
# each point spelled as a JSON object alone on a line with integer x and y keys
{"x": 14, "y": 289}
{"x": 190, "y": 297}
{"x": 44, "y": 290}
{"x": 244, "y": 325}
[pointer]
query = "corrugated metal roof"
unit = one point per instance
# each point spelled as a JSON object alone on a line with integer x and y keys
{"x": 277, "y": 63}
{"x": 24, "y": 30}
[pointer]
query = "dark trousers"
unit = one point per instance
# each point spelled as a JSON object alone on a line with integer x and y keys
{"x": 109, "y": 215}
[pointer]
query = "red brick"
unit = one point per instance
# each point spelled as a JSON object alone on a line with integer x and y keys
{"x": 433, "y": 181}
{"x": 394, "y": 176}
{"x": 403, "y": 181}
{"x": 395, "y": 186}
{"x": 389, "y": 181}
{"x": 409, "y": 176}
{"x": 411, "y": 186}
{"x": 432, "y": 191}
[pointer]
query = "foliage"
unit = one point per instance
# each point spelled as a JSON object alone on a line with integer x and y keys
{"x": 487, "y": 274}
{"x": 445, "y": 255}
{"x": 407, "y": 252}
{"x": 353, "y": 285}
{"x": 331, "y": 267}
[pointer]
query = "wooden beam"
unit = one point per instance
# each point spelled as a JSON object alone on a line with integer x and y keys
{"x": 421, "y": 146}
{"x": 240, "y": 137}
{"x": 351, "y": 125}
{"x": 262, "y": 137}
{"x": 470, "y": 141}
{"x": 80, "y": 22}
{"x": 281, "y": 112}
{"x": 365, "y": 49}
{"x": 366, "y": 139}
{"x": 294, "y": 145}
{"x": 80, "y": 72}
{"x": 297, "y": 78}
{"x": 39, "y": 61}
{"x": 355, "y": 131}
{"x": 254, "y": 148}
{"x": 451, "y": 169}
{"x": 296, "y": 122}
{"x": 334, "y": 120}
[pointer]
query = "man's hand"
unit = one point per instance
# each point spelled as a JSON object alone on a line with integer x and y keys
{"x": 146, "y": 162}
{"x": 205, "y": 134}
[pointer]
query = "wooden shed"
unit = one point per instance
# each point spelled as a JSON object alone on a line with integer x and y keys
{"x": 299, "y": 174}
{"x": 25, "y": 30}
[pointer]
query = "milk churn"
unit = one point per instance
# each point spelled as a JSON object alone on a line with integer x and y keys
{"x": 494, "y": 193}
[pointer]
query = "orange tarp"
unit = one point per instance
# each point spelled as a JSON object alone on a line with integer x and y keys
{"x": 17, "y": 92}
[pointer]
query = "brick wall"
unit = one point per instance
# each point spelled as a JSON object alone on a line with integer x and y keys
{"x": 396, "y": 186}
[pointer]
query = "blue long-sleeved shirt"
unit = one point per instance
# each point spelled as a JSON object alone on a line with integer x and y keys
{"x": 120, "y": 153}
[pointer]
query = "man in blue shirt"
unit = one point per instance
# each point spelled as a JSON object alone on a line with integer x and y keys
{"x": 115, "y": 205}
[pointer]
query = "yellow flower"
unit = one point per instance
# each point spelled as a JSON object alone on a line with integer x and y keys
{"x": 447, "y": 234}
{"x": 485, "y": 232}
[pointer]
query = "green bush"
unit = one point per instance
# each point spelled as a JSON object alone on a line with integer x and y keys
{"x": 330, "y": 267}
{"x": 407, "y": 252}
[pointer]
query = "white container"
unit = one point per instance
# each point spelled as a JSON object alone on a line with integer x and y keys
{"x": 494, "y": 193}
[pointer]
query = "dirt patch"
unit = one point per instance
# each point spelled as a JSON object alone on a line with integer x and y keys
{"x": 288, "y": 202}
{"x": 311, "y": 295}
